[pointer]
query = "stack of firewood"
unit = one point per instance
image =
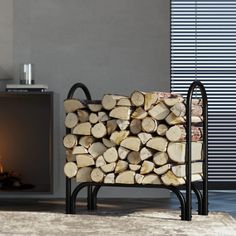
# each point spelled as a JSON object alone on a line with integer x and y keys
{"x": 137, "y": 139}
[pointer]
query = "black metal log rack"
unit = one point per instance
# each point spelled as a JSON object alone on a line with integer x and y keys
{"x": 183, "y": 192}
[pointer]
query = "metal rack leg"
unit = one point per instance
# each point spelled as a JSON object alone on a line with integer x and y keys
{"x": 94, "y": 197}
{"x": 90, "y": 198}
{"x": 68, "y": 196}
{"x": 199, "y": 198}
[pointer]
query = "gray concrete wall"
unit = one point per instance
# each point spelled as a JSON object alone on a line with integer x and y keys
{"x": 113, "y": 46}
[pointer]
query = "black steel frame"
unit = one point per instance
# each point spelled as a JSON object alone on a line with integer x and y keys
{"x": 200, "y": 190}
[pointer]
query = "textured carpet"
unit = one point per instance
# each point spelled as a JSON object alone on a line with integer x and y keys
{"x": 114, "y": 223}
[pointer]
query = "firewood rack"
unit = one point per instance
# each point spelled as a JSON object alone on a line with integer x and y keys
{"x": 200, "y": 189}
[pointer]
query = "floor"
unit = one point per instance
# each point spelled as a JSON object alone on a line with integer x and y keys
{"x": 219, "y": 201}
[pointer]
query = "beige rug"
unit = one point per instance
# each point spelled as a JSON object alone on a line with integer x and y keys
{"x": 115, "y": 223}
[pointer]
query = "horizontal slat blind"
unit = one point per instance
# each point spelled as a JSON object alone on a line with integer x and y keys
{"x": 203, "y": 47}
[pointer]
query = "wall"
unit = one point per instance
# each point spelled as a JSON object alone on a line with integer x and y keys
{"x": 6, "y": 39}
{"x": 112, "y": 46}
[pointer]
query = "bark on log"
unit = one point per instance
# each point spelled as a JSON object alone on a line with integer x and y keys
{"x": 135, "y": 126}
{"x": 108, "y": 143}
{"x": 111, "y": 126}
{"x": 134, "y": 158}
{"x": 70, "y": 169}
{"x": 70, "y": 156}
{"x": 83, "y": 116}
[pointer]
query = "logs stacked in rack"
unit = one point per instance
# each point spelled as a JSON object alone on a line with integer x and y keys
{"x": 137, "y": 139}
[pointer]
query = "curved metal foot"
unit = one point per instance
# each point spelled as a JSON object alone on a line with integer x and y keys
{"x": 90, "y": 198}
{"x": 181, "y": 200}
{"x": 74, "y": 195}
{"x": 199, "y": 199}
{"x": 94, "y": 196}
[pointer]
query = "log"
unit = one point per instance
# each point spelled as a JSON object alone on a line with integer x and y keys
{"x": 149, "y": 125}
{"x": 97, "y": 175}
{"x": 172, "y": 119}
{"x": 83, "y": 116}
{"x": 144, "y": 137}
{"x": 86, "y": 141}
{"x": 162, "y": 169}
{"x": 96, "y": 149}
{"x": 170, "y": 179}
{"x": 99, "y": 130}
{"x": 147, "y": 167}
{"x": 70, "y": 156}
{"x": 138, "y": 178}
{"x": 70, "y": 141}
{"x": 102, "y": 116}
{"x": 126, "y": 177}
{"x": 135, "y": 126}
{"x": 131, "y": 143}
{"x": 145, "y": 153}
{"x": 176, "y": 151}
{"x": 84, "y": 160}
{"x": 178, "y": 133}
{"x": 108, "y": 102}
{"x": 122, "y": 113}
{"x": 124, "y": 102}
{"x": 95, "y": 107}
{"x": 160, "y": 158}
{"x": 123, "y": 152}
{"x": 121, "y": 166}
{"x": 109, "y": 178}
{"x": 84, "y": 174}
{"x": 195, "y": 177}
{"x": 118, "y": 136}
{"x": 137, "y": 98}
{"x": 179, "y": 109}
{"x": 123, "y": 124}
{"x": 93, "y": 118}
{"x": 70, "y": 169}
{"x": 139, "y": 113}
{"x": 71, "y": 105}
{"x": 159, "y": 111}
{"x": 134, "y": 167}
{"x": 161, "y": 129}
{"x": 71, "y": 120}
{"x": 151, "y": 179}
{"x": 108, "y": 143}
{"x": 79, "y": 150}
{"x": 108, "y": 167}
{"x": 149, "y": 100}
{"x": 158, "y": 143}
{"x": 100, "y": 161}
{"x": 134, "y": 158}
{"x": 197, "y": 110}
{"x": 111, "y": 126}
{"x": 180, "y": 170}
{"x": 82, "y": 129}
{"x": 110, "y": 155}
{"x": 171, "y": 101}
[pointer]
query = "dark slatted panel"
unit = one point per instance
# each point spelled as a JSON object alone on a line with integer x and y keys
{"x": 203, "y": 47}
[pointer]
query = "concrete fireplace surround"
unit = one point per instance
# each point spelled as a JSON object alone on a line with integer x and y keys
{"x": 102, "y": 43}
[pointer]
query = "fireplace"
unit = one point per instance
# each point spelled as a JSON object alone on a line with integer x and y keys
{"x": 26, "y": 142}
